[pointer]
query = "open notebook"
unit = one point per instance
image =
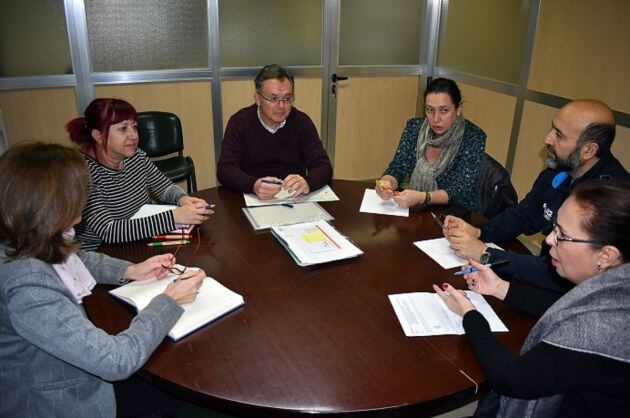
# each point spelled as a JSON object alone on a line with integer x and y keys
{"x": 213, "y": 301}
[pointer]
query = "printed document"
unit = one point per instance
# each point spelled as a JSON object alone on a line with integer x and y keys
{"x": 314, "y": 243}
{"x": 439, "y": 249}
{"x": 424, "y": 314}
{"x": 325, "y": 194}
{"x": 264, "y": 217}
{"x": 213, "y": 301}
{"x": 371, "y": 203}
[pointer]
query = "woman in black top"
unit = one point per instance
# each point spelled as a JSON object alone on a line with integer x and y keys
{"x": 576, "y": 360}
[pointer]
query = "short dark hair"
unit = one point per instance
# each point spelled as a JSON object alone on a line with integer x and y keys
{"x": 272, "y": 71}
{"x": 445, "y": 85}
{"x": 43, "y": 191}
{"x": 606, "y": 205}
{"x": 603, "y": 134}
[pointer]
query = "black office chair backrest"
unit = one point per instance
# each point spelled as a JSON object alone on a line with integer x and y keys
{"x": 496, "y": 192}
{"x": 160, "y": 133}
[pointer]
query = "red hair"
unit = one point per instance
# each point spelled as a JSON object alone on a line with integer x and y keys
{"x": 99, "y": 115}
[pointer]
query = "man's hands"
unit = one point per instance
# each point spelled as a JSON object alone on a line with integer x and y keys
{"x": 464, "y": 238}
{"x": 268, "y": 187}
{"x": 295, "y": 185}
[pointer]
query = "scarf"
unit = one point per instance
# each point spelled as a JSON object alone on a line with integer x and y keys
{"x": 591, "y": 318}
{"x": 424, "y": 174}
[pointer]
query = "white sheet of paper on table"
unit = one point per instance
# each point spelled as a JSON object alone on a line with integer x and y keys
{"x": 325, "y": 194}
{"x": 371, "y": 203}
{"x": 439, "y": 249}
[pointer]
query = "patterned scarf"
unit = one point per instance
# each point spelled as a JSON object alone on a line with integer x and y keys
{"x": 424, "y": 174}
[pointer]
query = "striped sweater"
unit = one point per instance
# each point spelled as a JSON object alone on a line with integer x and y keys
{"x": 116, "y": 195}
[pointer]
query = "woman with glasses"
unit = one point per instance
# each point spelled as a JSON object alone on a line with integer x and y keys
{"x": 122, "y": 179}
{"x": 576, "y": 360}
{"x": 53, "y": 360}
{"x": 441, "y": 154}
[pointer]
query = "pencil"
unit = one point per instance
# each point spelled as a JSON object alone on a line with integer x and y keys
{"x": 165, "y": 243}
{"x": 172, "y": 236}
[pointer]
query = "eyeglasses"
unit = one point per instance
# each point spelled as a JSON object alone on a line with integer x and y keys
{"x": 177, "y": 270}
{"x": 274, "y": 100}
{"x": 557, "y": 237}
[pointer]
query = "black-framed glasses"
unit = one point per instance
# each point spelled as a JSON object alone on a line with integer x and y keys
{"x": 177, "y": 270}
{"x": 275, "y": 100}
{"x": 558, "y": 237}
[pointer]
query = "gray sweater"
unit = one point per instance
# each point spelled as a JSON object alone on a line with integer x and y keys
{"x": 53, "y": 360}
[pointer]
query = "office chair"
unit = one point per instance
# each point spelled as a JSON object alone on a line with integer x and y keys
{"x": 160, "y": 134}
{"x": 496, "y": 192}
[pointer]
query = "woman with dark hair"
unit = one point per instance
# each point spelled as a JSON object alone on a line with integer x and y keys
{"x": 122, "y": 178}
{"x": 55, "y": 362}
{"x": 440, "y": 154}
{"x": 576, "y": 360}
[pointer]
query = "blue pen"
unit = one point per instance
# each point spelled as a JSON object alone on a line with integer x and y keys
{"x": 209, "y": 206}
{"x": 474, "y": 269}
{"x": 279, "y": 183}
{"x": 287, "y": 205}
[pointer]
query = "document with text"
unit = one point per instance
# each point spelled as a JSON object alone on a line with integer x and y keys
{"x": 439, "y": 249}
{"x": 424, "y": 314}
{"x": 325, "y": 194}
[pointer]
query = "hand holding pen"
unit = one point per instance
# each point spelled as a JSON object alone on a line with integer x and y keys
{"x": 267, "y": 187}
{"x": 385, "y": 188}
{"x": 185, "y": 288}
{"x": 485, "y": 281}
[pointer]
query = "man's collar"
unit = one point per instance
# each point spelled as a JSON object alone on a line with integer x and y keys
{"x": 269, "y": 128}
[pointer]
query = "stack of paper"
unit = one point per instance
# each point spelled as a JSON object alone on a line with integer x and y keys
{"x": 265, "y": 217}
{"x": 423, "y": 314}
{"x": 213, "y": 301}
{"x": 314, "y": 243}
{"x": 325, "y": 194}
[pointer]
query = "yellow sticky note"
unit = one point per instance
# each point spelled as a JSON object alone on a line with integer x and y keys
{"x": 314, "y": 236}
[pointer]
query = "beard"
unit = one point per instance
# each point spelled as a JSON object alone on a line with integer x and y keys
{"x": 555, "y": 162}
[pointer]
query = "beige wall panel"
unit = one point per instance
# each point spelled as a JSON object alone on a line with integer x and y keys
{"x": 493, "y": 112}
{"x": 581, "y": 50}
{"x": 38, "y": 114}
{"x": 529, "y": 160}
{"x": 371, "y": 115}
{"x": 238, "y": 94}
{"x": 192, "y": 103}
{"x": 620, "y": 147}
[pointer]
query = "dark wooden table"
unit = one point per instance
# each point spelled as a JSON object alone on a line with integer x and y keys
{"x": 318, "y": 340}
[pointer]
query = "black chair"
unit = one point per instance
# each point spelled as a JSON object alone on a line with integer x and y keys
{"x": 160, "y": 134}
{"x": 496, "y": 192}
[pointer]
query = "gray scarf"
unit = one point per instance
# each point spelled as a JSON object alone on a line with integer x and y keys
{"x": 424, "y": 174}
{"x": 594, "y": 317}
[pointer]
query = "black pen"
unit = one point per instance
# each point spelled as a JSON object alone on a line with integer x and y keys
{"x": 474, "y": 269}
{"x": 438, "y": 221}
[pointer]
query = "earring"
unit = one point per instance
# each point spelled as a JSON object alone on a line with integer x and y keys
{"x": 599, "y": 266}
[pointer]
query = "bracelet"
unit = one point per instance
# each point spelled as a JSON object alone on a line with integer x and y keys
{"x": 427, "y": 199}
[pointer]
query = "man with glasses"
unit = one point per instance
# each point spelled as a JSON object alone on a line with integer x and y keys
{"x": 578, "y": 149}
{"x": 271, "y": 145}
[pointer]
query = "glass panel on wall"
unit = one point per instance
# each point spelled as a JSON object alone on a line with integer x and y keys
{"x": 128, "y": 35}
{"x": 259, "y": 32}
{"x": 485, "y": 37}
{"x": 380, "y": 32}
{"x": 33, "y": 38}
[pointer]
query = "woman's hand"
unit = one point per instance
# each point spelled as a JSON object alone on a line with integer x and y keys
{"x": 408, "y": 198}
{"x": 386, "y": 187}
{"x": 151, "y": 268}
{"x": 192, "y": 214}
{"x": 184, "y": 289}
{"x": 190, "y": 200}
{"x": 455, "y": 299}
{"x": 485, "y": 281}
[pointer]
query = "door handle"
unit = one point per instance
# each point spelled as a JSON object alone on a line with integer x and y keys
{"x": 336, "y": 78}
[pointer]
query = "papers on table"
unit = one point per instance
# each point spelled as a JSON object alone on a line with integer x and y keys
{"x": 424, "y": 314}
{"x": 151, "y": 209}
{"x": 439, "y": 249}
{"x": 314, "y": 243}
{"x": 264, "y": 217}
{"x": 213, "y": 301}
{"x": 325, "y": 194}
{"x": 371, "y": 203}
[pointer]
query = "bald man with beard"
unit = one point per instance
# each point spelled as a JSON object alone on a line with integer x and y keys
{"x": 578, "y": 149}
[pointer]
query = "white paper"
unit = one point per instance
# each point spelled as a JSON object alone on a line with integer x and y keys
{"x": 264, "y": 217}
{"x": 325, "y": 194}
{"x": 213, "y": 301}
{"x": 314, "y": 243}
{"x": 425, "y": 314}
{"x": 151, "y": 209}
{"x": 439, "y": 249}
{"x": 371, "y": 203}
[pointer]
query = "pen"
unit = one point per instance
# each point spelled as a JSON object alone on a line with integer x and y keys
{"x": 474, "y": 269}
{"x": 173, "y": 236}
{"x": 287, "y": 205}
{"x": 381, "y": 185}
{"x": 279, "y": 183}
{"x": 164, "y": 243}
{"x": 209, "y": 206}
{"x": 438, "y": 221}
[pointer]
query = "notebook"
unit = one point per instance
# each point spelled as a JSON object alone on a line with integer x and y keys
{"x": 213, "y": 301}
{"x": 264, "y": 217}
{"x": 153, "y": 209}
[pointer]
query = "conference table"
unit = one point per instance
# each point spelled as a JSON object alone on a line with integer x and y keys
{"x": 321, "y": 340}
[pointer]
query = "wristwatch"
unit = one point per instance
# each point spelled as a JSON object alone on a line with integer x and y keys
{"x": 484, "y": 258}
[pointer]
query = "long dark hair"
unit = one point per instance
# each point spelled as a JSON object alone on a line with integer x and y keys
{"x": 42, "y": 192}
{"x": 445, "y": 85}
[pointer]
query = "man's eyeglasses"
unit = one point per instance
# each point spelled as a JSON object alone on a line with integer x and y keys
{"x": 274, "y": 100}
{"x": 177, "y": 270}
{"x": 557, "y": 237}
